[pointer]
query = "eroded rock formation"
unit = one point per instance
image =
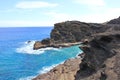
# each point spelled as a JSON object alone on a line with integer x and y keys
{"x": 101, "y": 58}
{"x": 65, "y": 71}
{"x": 101, "y": 51}
{"x": 70, "y": 32}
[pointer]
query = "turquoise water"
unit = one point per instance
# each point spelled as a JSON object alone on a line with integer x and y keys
{"x": 18, "y": 61}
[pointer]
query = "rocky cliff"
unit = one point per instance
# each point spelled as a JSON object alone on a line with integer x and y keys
{"x": 74, "y": 31}
{"x": 70, "y": 32}
{"x": 101, "y": 47}
{"x": 101, "y": 58}
{"x": 65, "y": 71}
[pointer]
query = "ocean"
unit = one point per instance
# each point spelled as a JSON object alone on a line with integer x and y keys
{"x": 18, "y": 60}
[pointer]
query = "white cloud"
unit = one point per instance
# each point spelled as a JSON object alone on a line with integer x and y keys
{"x": 91, "y": 2}
{"x": 55, "y": 17}
{"x": 108, "y": 14}
{"x": 58, "y": 16}
{"x": 34, "y": 4}
{"x": 97, "y": 17}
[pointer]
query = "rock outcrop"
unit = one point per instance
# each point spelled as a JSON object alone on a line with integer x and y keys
{"x": 65, "y": 71}
{"x": 101, "y": 51}
{"x": 100, "y": 61}
{"x": 101, "y": 58}
{"x": 39, "y": 44}
{"x": 75, "y": 31}
{"x": 70, "y": 32}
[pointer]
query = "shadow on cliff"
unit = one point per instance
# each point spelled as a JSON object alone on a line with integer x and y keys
{"x": 96, "y": 52}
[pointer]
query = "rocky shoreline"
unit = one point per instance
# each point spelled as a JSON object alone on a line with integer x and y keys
{"x": 101, "y": 47}
{"x": 100, "y": 61}
{"x": 70, "y": 32}
{"x": 39, "y": 45}
{"x": 65, "y": 71}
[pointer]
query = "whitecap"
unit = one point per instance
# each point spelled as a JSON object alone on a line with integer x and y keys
{"x": 28, "y": 48}
{"x": 48, "y": 68}
{"x": 42, "y": 71}
{"x": 27, "y": 78}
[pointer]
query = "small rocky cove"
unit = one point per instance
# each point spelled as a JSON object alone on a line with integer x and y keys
{"x": 101, "y": 51}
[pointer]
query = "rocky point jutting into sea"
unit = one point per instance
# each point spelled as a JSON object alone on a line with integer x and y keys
{"x": 101, "y": 51}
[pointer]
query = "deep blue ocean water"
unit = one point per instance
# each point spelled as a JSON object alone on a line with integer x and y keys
{"x": 18, "y": 61}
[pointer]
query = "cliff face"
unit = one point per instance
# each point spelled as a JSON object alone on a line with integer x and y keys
{"x": 100, "y": 61}
{"x": 74, "y": 31}
{"x": 101, "y": 58}
{"x": 101, "y": 47}
{"x": 70, "y": 32}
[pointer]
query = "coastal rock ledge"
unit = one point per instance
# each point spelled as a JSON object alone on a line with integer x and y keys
{"x": 70, "y": 32}
{"x": 100, "y": 59}
{"x": 65, "y": 71}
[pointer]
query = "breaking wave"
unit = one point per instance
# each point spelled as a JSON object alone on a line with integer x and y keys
{"x": 47, "y": 69}
{"x": 42, "y": 71}
{"x": 27, "y": 78}
{"x": 27, "y": 47}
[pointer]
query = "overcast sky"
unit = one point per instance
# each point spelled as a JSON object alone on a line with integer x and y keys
{"x": 20, "y": 13}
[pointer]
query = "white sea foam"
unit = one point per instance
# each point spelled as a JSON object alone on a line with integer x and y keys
{"x": 47, "y": 69}
{"x": 43, "y": 70}
{"x": 27, "y": 78}
{"x": 27, "y": 47}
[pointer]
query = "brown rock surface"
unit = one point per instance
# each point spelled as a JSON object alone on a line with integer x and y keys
{"x": 65, "y": 71}
{"x": 46, "y": 41}
{"x": 74, "y": 31}
{"x": 38, "y": 45}
{"x": 101, "y": 60}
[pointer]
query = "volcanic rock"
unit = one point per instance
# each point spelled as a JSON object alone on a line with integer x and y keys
{"x": 46, "y": 41}
{"x": 38, "y": 45}
{"x": 101, "y": 58}
{"x": 101, "y": 51}
{"x": 70, "y": 32}
{"x": 65, "y": 71}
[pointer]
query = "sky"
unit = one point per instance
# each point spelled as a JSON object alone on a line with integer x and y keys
{"x": 23, "y": 13}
